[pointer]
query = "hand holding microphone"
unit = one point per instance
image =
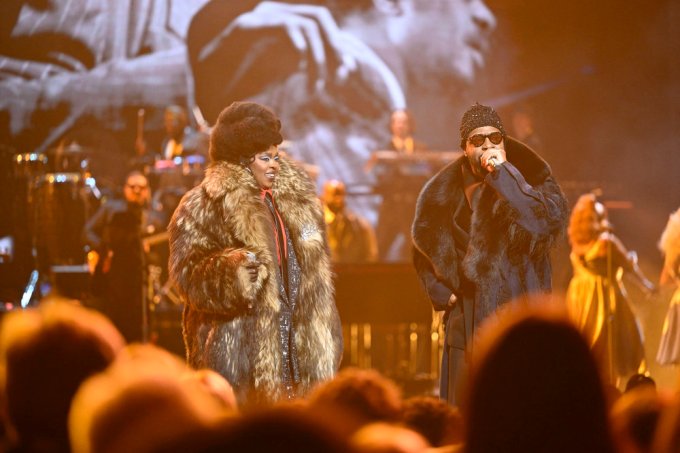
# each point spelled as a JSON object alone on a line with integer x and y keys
{"x": 491, "y": 159}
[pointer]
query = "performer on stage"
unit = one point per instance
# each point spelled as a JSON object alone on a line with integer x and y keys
{"x": 483, "y": 229}
{"x": 596, "y": 298}
{"x": 248, "y": 252}
{"x": 669, "y": 346}
{"x": 398, "y": 184}
{"x": 115, "y": 234}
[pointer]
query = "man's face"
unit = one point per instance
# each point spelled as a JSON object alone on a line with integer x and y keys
{"x": 334, "y": 196}
{"x": 136, "y": 190}
{"x": 455, "y": 46}
{"x": 474, "y": 153}
{"x": 399, "y": 124}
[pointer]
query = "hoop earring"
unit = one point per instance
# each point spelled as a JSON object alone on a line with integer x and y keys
{"x": 245, "y": 166}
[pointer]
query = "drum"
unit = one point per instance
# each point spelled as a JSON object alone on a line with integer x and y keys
{"x": 29, "y": 165}
{"x": 71, "y": 158}
{"x": 62, "y": 203}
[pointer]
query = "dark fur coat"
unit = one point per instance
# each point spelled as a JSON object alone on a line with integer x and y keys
{"x": 231, "y": 324}
{"x": 497, "y": 253}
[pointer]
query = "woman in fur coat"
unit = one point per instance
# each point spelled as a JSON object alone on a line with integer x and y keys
{"x": 248, "y": 253}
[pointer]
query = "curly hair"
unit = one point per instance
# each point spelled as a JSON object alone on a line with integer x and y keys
{"x": 242, "y": 130}
{"x": 364, "y": 393}
{"x": 586, "y": 221}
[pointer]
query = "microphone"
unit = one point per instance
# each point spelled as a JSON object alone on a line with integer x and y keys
{"x": 492, "y": 162}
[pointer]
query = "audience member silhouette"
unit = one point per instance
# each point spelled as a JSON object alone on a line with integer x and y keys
{"x": 358, "y": 397}
{"x": 634, "y": 419}
{"x": 45, "y": 354}
{"x": 282, "y": 428}
{"x": 383, "y": 437}
{"x": 147, "y": 398}
{"x": 640, "y": 380}
{"x": 667, "y": 435}
{"x": 435, "y": 419}
{"x": 535, "y": 387}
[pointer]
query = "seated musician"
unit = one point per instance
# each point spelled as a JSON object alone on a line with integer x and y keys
{"x": 399, "y": 184}
{"x": 180, "y": 139}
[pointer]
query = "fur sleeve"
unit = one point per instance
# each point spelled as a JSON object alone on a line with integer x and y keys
{"x": 535, "y": 216}
{"x": 210, "y": 275}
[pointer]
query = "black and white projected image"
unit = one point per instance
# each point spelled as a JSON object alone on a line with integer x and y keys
{"x": 85, "y": 71}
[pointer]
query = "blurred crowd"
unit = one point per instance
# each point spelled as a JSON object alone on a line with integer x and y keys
{"x": 69, "y": 382}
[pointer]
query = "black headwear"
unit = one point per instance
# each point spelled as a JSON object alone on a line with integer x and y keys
{"x": 478, "y": 116}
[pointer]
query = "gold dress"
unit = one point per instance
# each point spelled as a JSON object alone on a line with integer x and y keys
{"x": 597, "y": 302}
{"x": 669, "y": 346}
{"x": 669, "y": 244}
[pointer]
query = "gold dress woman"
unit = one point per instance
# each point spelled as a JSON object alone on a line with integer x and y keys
{"x": 596, "y": 297}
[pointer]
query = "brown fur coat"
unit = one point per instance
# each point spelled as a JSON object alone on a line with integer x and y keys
{"x": 231, "y": 324}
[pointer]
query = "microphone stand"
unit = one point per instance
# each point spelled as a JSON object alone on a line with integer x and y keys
{"x": 609, "y": 310}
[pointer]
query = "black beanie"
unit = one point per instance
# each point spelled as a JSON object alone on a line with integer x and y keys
{"x": 242, "y": 130}
{"x": 478, "y": 116}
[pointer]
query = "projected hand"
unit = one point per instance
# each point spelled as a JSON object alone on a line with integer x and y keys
{"x": 275, "y": 40}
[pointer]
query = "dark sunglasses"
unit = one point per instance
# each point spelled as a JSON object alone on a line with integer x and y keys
{"x": 479, "y": 139}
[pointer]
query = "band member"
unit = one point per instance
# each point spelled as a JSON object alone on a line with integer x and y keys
{"x": 398, "y": 184}
{"x": 248, "y": 252}
{"x": 350, "y": 237}
{"x": 115, "y": 235}
{"x": 483, "y": 229}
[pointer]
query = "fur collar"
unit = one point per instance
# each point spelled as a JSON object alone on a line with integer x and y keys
{"x": 443, "y": 196}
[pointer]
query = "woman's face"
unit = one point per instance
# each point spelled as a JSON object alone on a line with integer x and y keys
{"x": 265, "y": 167}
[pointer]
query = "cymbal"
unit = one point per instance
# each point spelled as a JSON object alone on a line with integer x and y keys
{"x": 71, "y": 148}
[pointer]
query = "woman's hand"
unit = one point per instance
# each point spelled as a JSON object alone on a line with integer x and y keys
{"x": 252, "y": 265}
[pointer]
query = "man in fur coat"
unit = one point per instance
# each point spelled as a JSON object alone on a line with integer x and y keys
{"x": 248, "y": 253}
{"x": 483, "y": 229}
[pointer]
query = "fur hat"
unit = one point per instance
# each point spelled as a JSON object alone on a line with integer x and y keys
{"x": 478, "y": 116}
{"x": 242, "y": 130}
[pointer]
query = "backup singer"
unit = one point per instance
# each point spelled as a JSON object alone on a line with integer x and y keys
{"x": 249, "y": 254}
{"x": 596, "y": 298}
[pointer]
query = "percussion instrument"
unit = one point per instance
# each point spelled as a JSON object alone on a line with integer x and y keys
{"x": 62, "y": 203}
{"x": 29, "y": 165}
{"x": 71, "y": 158}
